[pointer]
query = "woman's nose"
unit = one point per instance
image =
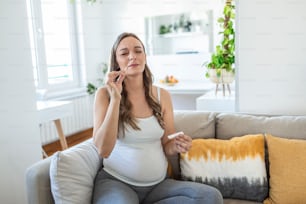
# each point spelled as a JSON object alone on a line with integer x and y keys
{"x": 132, "y": 56}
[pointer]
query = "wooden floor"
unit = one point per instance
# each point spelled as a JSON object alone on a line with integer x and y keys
{"x": 71, "y": 141}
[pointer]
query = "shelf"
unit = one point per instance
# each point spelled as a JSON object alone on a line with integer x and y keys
{"x": 182, "y": 34}
{"x": 196, "y": 34}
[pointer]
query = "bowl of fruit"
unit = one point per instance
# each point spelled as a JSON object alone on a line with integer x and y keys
{"x": 169, "y": 80}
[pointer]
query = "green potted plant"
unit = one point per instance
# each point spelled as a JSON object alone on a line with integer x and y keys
{"x": 220, "y": 69}
{"x": 91, "y": 88}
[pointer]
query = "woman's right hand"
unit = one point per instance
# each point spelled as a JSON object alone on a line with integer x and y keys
{"x": 114, "y": 83}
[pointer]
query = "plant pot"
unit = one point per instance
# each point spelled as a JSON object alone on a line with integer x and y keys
{"x": 225, "y": 78}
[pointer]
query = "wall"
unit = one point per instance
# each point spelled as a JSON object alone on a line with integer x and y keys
{"x": 271, "y": 56}
{"x": 19, "y": 140}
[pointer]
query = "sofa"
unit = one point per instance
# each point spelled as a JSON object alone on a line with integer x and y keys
{"x": 260, "y": 154}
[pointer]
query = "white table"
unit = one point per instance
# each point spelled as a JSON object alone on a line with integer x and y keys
{"x": 185, "y": 93}
{"x": 54, "y": 111}
{"x": 218, "y": 103}
{"x": 187, "y": 87}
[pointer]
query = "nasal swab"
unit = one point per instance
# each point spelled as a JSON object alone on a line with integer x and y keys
{"x": 175, "y": 135}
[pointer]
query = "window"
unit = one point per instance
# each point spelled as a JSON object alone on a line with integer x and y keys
{"x": 53, "y": 29}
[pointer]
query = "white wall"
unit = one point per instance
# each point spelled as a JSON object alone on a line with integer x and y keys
{"x": 19, "y": 138}
{"x": 271, "y": 56}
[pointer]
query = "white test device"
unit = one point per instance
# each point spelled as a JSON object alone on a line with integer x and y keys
{"x": 175, "y": 135}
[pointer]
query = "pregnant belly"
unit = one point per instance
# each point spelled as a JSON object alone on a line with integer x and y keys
{"x": 137, "y": 166}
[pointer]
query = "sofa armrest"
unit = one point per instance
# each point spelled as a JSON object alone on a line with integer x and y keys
{"x": 38, "y": 183}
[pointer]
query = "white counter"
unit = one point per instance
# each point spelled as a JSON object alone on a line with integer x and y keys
{"x": 54, "y": 111}
{"x": 185, "y": 93}
{"x": 188, "y": 87}
{"x": 219, "y": 103}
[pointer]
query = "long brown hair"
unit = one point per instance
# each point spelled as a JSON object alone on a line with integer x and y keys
{"x": 125, "y": 115}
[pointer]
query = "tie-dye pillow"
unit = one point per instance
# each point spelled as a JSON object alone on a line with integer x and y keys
{"x": 236, "y": 167}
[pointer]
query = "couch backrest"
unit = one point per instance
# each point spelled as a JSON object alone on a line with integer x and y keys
{"x": 195, "y": 123}
{"x": 229, "y": 125}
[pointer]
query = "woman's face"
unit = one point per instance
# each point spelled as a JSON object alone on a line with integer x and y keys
{"x": 131, "y": 56}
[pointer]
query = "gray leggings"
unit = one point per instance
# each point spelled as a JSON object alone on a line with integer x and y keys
{"x": 109, "y": 190}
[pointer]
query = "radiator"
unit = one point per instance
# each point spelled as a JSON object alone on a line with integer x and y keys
{"x": 80, "y": 119}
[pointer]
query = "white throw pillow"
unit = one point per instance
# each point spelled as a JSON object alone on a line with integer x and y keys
{"x": 72, "y": 173}
{"x": 236, "y": 166}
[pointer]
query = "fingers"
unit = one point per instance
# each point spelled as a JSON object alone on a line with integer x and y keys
{"x": 114, "y": 83}
{"x": 114, "y": 76}
{"x": 183, "y": 143}
{"x": 120, "y": 78}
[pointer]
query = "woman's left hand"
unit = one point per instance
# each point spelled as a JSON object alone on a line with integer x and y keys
{"x": 182, "y": 143}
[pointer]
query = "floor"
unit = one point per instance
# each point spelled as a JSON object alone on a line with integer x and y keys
{"x": 71, "y": 141}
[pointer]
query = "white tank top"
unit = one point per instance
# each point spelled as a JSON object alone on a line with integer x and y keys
{"x": 138, "y": 158}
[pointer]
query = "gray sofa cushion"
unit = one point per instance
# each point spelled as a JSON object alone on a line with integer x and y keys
{"x": 38, "y": 183}
{"x": 229, "y": 125}
{"x": 195, "y": 123}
